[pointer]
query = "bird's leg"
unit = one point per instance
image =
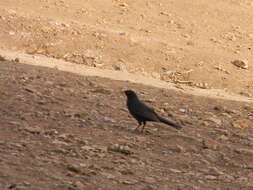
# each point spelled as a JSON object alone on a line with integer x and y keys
{"x": 144, "y": 123}
{"x": 138, "y": 125}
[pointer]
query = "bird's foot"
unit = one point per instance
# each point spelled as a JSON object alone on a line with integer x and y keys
{"x": 146, "y": 132}
{"x": 136, "y": 130}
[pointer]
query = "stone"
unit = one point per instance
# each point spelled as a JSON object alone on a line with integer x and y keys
{"x": 177, "y": 149}
{"x": 226, "y": 115}
{"x": 59, "y": 150}
{"x": 79, "y": 185}
{"x": 226, "y": 178}
{"x": 209, "y": 144}
{"x": 244, "y": 151}
{"x": 215, "y": 120}
{"x": 59, "y": 142}
{"x": 220, "y": 108}
{"x": 108, "y": 175}
{"x": 21, "y": 187}
{"x": 120, "y": 68}
{"x": 242, "y": 180}
{"x": 243, "y": 64}
{"x": 12, "y": 33}
{"x": 126, "y": 172}
{"x": 119, "y": 148}
{"x": 211, "y": 156}
{"x": 108, "y": 119}
{"x": 74, "y": 168}
{"x": 245, "y": 93}
{"x": 210, "y": 177}
{"x": 83, "y": 165}
{"x": 17, "y": 60}
{"x": 183, "y": 110}
{"x": 175, "y": 170}
{"x": 156, "y": 75}
{"x": 150, "y": 180}
{"x": 223, "y": 138}
{"x": 190, "y": 43}
{"x": 123, "y": 5}
{"x": 102, "y": 91}
{"x": 102, "y": 148}
{"x": 240, "y": 124}
{"x": 2, "y": 58}
{"x": 214, "y": 171}
{"x": 89, "y": 54}
{"x": 34, "y": 130}
{"x": 203, "y": 85}
{"x": 250, "y": 138}
{"x": 87, "y": 148}
{"x": 130, "y": 182}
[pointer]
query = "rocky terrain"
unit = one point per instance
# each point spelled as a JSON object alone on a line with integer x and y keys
{"x": 68, "y": 132}
{"x": 61, "y": 129}
{"x": 192, "y": 43}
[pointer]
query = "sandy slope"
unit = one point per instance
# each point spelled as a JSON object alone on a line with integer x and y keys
{"x": 176, "y": 40}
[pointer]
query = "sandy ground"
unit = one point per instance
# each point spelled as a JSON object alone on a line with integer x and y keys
{"x": 64, "y": 131}
{"x": 59, "y": 131}
{"x": 177, "y": 41}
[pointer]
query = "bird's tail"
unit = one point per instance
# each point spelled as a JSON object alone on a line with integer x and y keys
{"x": 169, "y": 123}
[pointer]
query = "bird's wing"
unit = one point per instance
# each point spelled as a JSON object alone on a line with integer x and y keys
{"x": 144, "y": 111}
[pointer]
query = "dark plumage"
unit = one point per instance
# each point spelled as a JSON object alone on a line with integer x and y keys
{"x": 143, "y": 113}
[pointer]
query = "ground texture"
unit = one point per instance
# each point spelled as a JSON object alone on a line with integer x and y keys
{"x": 68, "y": 132}
{"x": 186, "y": 42}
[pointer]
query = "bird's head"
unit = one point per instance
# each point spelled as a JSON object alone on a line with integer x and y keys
{"x": 130, "y": 93}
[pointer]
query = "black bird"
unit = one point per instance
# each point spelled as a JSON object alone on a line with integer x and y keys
{"x": 142, "y": 113}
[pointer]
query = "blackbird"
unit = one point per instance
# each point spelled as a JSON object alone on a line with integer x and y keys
{"x": 143, "y": 113}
